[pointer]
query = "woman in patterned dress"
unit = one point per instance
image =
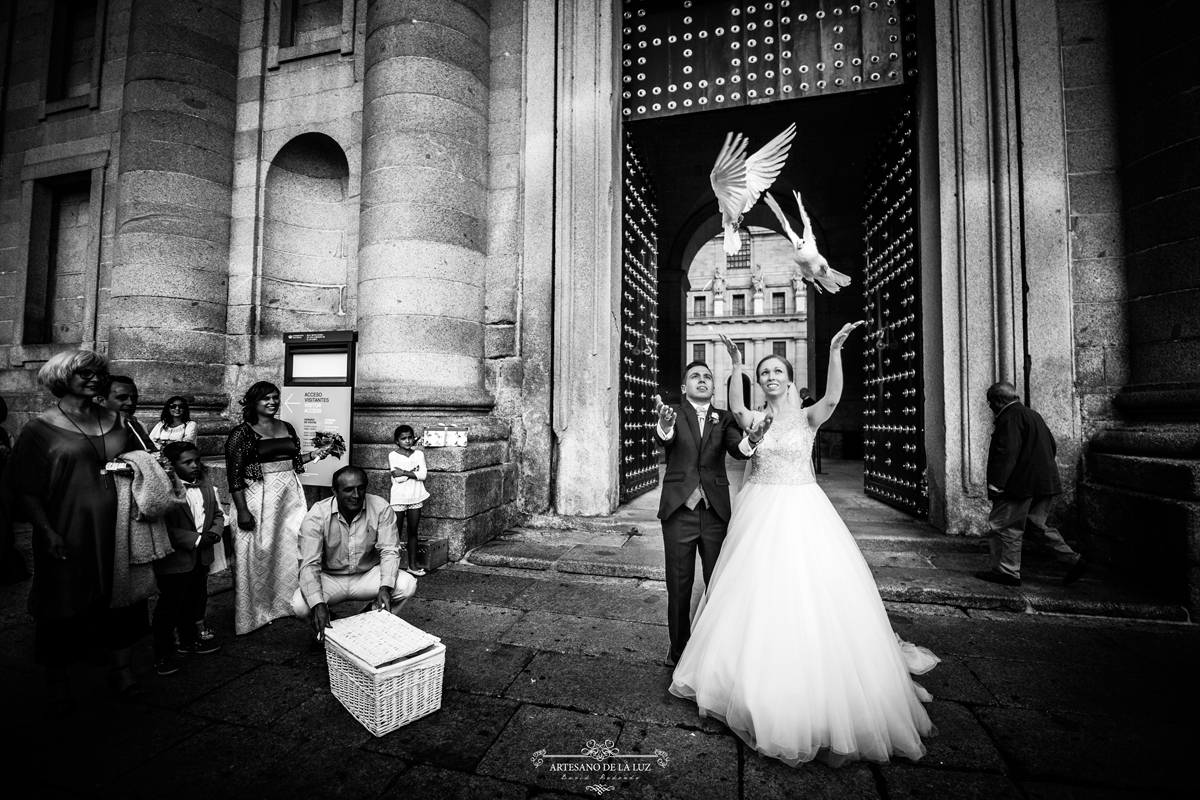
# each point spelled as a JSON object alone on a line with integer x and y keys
{"x": 262, "y": 459}
{"x": 791, "y": 646}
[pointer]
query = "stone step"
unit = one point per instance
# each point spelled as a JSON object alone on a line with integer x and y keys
{"x": 929, "y": 569}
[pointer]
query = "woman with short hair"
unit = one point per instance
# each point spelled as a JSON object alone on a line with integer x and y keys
{"x": 262, "y": 459}
{"x": 59, "y": 472}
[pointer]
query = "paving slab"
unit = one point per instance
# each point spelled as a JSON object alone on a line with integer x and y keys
{"x": 523, "y": 555}
{"x": 701, "y": 765}
{"x": 634, "y": 603}
{"x": 456, "y": 736}
{"x": 454, "y": 583}
{"x": 430, "y": 782}
{"x": 620, "y": 562}
{"x": 953, "y": 680}
{"x": 328, "y": 771}
{"x": 323, "y": 721}
{"x": 280, "y": 641}
{"x": 1108, "y": 751}
{"x": 905, "y": 782}
{"x": 197, "y": 676}
{"x": 1025, "y": 637}
{"x": 961, "y": 743}
{"x": 485, "y": 668}
{"x": 553, "y": 731}
{"x": 564, "y": 633}
{"x": 900, "y": 584}
{"x": 257, "y": 698}
{"x": 1084, "y": 689}
{"x": 460, "y": 619}
{"x": 1172, "y": 647}
{"x": 612, "y": 688}
{"x": 1041, "y": 790}
{"x": 111, "y": 738}
{"x": 233, "y": 757}
{"x": 768, "y": 779}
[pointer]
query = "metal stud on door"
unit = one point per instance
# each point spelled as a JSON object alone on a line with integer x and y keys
{"x": 639, "y": 327}
{"x": 893, "y": 387}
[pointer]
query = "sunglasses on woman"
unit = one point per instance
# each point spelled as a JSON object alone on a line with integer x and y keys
{"x": 91, "y": 374}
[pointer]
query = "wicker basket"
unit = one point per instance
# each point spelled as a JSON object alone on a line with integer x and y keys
{"x": 384, "y": 698}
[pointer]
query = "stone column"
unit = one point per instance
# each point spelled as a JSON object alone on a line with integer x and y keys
{"x": 423, "y": 221}
{"x": 175, "y": 178}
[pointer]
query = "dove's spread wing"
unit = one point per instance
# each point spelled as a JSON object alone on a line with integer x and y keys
{"x": 787, "y": 229}
{"x": 764, "y": 166}
{"x": 728, "y": 176}
{"x": 810, "y": 238}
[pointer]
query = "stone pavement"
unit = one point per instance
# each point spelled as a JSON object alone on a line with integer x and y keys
{"x": 1028, "y": 705}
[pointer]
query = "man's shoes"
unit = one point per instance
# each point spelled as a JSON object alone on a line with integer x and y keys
{"x": 992, "y": 576}
{"x": 1075, "y": 572}
{"x": 199, "y": 647}
{"x": 167, "y": 665}
{"x": 672, "y": 659}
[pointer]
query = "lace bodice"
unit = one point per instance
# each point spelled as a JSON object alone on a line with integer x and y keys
{"x": 785, "y": 455}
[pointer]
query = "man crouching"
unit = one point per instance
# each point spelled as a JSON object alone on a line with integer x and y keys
{"x": 349, "y": 550}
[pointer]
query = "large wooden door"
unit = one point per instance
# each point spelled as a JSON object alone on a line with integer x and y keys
{"x": 893, "y": 429}
{"x": 639, "y": 326}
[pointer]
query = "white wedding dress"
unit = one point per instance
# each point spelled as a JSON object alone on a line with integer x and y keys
{"x": 791, "y": 646}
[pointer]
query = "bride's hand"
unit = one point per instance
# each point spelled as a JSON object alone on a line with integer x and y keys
{"x": 840, "y": 337}
{"x": 735, "y": 355}
{"x": 759, "y": 429}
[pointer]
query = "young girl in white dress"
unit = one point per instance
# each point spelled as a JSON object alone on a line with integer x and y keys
{"x": 408, "y": 489}
{"x": 791, "y": 646}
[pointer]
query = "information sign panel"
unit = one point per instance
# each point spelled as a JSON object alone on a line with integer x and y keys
{"x": 318, "y": 408}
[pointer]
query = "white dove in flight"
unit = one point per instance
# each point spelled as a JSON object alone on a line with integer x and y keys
{"x": 738, "y": 181}
{"x": 813, "y": 266}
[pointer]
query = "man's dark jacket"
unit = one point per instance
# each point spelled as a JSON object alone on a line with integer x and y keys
{"x": 1021, "y": 458}
{"x": 694, "y": 461}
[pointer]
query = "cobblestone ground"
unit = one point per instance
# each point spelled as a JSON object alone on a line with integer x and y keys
{"x": 1027, "y": 705}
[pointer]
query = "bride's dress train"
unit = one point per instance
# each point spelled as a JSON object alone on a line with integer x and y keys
{"x": 791, "y": 646}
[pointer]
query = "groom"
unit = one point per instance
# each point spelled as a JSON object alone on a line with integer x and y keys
{"x": 695, "y": 492}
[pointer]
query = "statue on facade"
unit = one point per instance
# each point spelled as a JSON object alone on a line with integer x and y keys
{"x": 757, "y": 280}
{"x": 718, "y": 282}
{"x": 797, "y": 283}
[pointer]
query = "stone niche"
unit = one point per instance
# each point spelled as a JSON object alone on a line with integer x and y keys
{"x": 305, "y": 253}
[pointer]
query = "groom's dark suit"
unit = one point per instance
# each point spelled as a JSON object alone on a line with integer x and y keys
{"x": 695, "y": 463}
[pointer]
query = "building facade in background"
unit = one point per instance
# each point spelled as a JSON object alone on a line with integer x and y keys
{"x": 182, "y": 182}
{"x": 771, "y": 320}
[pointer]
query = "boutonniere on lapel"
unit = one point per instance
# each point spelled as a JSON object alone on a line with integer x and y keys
{"x": 714, "y": 416}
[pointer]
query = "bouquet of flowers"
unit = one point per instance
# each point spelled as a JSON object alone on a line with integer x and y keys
{"x": 334, "y": 441}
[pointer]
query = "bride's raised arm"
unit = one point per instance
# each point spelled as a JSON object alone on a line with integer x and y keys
{"x": 737, "y": 404}
{"x": 824, "y": 407}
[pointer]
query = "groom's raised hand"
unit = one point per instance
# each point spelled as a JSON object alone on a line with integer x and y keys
{"x": 666, "y": 414}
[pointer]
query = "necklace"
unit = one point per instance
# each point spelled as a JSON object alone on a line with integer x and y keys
{"x": 103, "y": 459}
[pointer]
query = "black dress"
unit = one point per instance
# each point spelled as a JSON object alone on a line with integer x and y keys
{"x": 69, "y": 600}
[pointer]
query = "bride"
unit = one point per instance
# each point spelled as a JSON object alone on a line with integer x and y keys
{"x": 791, "y": 646}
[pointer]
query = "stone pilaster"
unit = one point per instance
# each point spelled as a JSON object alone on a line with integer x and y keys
{"x": 169, "y": 281}
{"x": 587, "y": 261}
{"x": 423, "y": 221}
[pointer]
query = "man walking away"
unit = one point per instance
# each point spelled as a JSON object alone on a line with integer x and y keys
{"x": 1022, "y": 480}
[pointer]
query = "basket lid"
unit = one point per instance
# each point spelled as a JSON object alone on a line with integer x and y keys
{"x": 379, "y": 637}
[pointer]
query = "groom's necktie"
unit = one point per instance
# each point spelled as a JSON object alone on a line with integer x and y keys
{"x": 698, "y": 493}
